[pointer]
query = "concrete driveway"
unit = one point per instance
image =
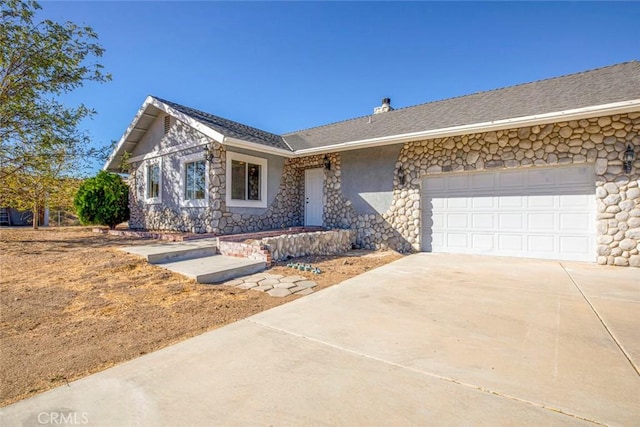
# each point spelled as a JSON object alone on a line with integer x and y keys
{"x": 431, "y": 339}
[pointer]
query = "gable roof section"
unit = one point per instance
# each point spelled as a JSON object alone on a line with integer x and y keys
{"x": 222, "y": 130}
{"x": 229, "y": 128}
{"x": 608, "y": 85}
{"x": 609, "y": 90}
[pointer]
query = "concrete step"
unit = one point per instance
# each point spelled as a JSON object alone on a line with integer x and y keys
{"x": 161, "y": 253}
{"x": 215, "y": 269}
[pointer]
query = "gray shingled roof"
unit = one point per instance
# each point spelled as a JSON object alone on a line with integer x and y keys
{"x": 229, "y": 127}
{"x": 620, "y": 82}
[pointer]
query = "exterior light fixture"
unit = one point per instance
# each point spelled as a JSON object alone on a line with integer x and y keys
{"x": 208, "y": 153}
{"x": 327, "y": 162}
{"x": 401, "y": 178}
{"x": 629, "y": 157}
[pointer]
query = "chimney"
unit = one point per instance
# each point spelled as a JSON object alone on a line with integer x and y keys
{"x": 386, "y": 106}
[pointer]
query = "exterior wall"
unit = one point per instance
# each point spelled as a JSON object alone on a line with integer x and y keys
{"x": 284, "y": 191}
{"x": 367, "y": 178}
{"x": 362, "y": 191}
{"x": 600, "y": 141}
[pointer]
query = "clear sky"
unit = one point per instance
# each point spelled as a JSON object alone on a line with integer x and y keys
{"x": 283, "y": 66}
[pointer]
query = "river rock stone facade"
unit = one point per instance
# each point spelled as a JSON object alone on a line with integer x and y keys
{"x": 599, "y": 141}
{"x": 284, "y": 211}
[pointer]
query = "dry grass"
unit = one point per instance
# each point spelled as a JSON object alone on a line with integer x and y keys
{"x": 72, "y": 304}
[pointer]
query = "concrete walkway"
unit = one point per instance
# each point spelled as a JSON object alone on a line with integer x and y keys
{"x": 430, "y": 339}
{"x": 197, "y": 259}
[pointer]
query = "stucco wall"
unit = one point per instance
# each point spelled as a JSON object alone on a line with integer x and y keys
{"x": 367, "y": 178}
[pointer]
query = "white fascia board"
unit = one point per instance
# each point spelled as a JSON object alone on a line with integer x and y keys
{"x": 240, "y": 143}
{"x": 559, "y": 116}
{"x": 150, "y": 100}
{"x": 231, "y": 142}
{"x": 127, "y": 132}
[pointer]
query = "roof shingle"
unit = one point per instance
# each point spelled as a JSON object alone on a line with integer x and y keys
{"x": 230, "y": 128}
{"x": 616, "y": 83}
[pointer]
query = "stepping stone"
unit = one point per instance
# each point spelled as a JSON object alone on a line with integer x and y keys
{"x": 247, "y": 285}
{"x": 305, "y": 291}
{"x": 297, "y": 289}
{"x": 284, "y": 285}
{"x": 263, "y": 288}
{"x": 292, "y": 279}
{"x": 279, "y": 292}
{"x": 268, "y": 282}
{"x": 235, "y": 282}
{"x": 272, "y": 276}
{"x": 307, "y": 284}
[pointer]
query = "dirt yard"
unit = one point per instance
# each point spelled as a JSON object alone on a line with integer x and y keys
{"x": 72, "y": 304}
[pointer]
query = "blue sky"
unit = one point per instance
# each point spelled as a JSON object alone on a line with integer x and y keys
{"x": 288, "y": 66}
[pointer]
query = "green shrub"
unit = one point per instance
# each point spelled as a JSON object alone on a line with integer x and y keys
{"x": 103, "y": 200}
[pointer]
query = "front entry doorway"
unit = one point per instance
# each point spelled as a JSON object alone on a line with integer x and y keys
{"x": 313, "y": 194}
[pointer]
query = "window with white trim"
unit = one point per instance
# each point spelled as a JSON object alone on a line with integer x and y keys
{"x": 153, "y": 182}
{"x": 194, "y": 181}
{"x": 246, "y": 181}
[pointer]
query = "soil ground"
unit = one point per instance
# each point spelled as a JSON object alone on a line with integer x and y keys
{"x": 72, "y": 304}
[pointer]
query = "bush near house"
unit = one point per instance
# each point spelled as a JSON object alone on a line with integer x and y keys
{"x": 103, "y": 200}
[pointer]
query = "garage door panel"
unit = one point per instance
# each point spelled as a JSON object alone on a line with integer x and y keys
{"x": 511, "y": 202}
{"x": 510, "y": 179}
{"x": 434, "y": 184}
{"x": 510, "y": 243}
{"x": 512, "y": 221}
{"x": 458, "y": 182}
{"x": 482, "y": 221}
{"x": 483, "y": 242}
{"x": 541, "y": 244}
{"x": 457, "y": 203}
{"x": 575, "y": 221}
{"x": 575, "y": 175}
{"x": 438, "y": 220}
{"x": 541, "y": 221}
{"x": 574, "y": 244}
{"x": 457, "y": 221}
{"x": 539, "y": 212}
{"x": 542, "y": 201}
{"x": 482, "y": 181}
{"x": 575, "y": 201}
{"x": 541, "y": 178}
{"x": 458, "y": 240}
{"x": 436, "y": 202}
{"x": 487, "y": 202}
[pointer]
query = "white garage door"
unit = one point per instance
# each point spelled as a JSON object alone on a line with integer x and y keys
{"x": 538, "y": 213}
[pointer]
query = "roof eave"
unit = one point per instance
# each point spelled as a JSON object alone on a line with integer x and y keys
{"x": 240, "y": 143}
{"x": 109, "y": 166}
{"x": 151, "y": 101}
{"x": 558, "y": 116}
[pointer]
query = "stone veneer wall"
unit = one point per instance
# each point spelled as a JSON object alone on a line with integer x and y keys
{"x": 285, "y": 246}
{"x": 284, "y": 211}
{"x": 600, "y": 141}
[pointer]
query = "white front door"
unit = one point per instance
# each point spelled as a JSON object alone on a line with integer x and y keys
{"x": 538, "y": 213}
{"x": 313, "y": 189}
